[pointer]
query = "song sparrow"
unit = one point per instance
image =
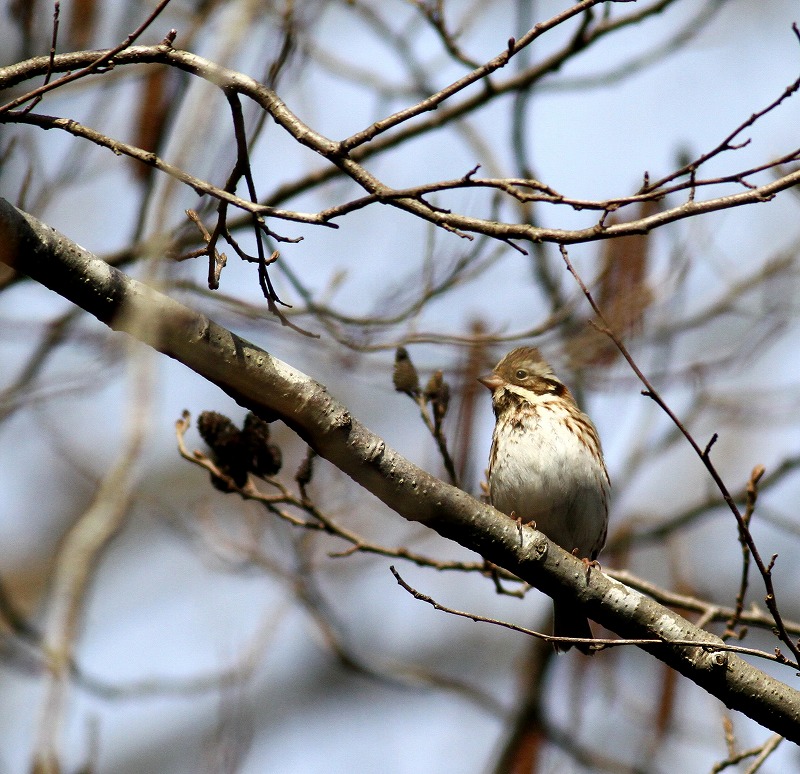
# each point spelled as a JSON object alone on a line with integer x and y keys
{"x": 546, "y": 466}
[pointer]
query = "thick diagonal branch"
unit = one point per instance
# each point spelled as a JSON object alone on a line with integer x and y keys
{"x": 261, "y": 382}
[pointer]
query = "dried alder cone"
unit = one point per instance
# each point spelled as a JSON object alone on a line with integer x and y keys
{"x": 239, "y": 452}
{"x": 546, "y": 467}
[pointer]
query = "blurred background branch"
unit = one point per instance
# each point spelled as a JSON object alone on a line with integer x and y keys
{"x": 215, "y": 633}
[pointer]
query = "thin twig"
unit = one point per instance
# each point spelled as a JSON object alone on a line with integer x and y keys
{"x": 53, "y": 44}
{"x": 726, "y": 144}
{"x": 752, "y": 496}
{"x": 652, "y": 393}
{"x": 760, "y": 753}
{"x": 320, "y": 522}
{"x": 151, "y": 159}
{"x": 768, "y": 748}
{"x": 441, "y": 442}
{"x": 76, "y": 563}
{"x": 595, "y": 643}
{"x": 104, "y": 60}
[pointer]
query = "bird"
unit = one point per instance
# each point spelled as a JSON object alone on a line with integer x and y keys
{"x": 546, "y": 468}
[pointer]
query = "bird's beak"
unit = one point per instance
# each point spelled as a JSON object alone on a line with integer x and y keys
{"x": 491, "y": 381}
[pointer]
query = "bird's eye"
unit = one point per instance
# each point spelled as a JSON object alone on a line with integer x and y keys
{"x": 521, "y": 373}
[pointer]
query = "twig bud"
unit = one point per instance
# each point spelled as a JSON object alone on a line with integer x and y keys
{"x": 437, "y": 392}
{"x": 405, "y": 377}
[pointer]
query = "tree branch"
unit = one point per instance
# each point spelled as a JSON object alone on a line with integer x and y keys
{"x": 261, "y": 382}
{"x": 347, "y": 159}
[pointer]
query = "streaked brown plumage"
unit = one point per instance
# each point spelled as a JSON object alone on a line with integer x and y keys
{"x": 546, "y": 466}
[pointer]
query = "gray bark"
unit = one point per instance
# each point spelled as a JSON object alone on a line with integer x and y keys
{"x": 260, "y": 382}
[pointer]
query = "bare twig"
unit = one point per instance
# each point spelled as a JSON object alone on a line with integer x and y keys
{"x": 650, "y": 392}
{"x": 151, "y": 159}
{"x": 760, "y": 753}
{"x": 766, "y": 750}
{"x": 479, "y": 73}
{"x": 596, "y": 643}
{"x": 347, "y": 160}
{"x": 752, "y": 496}
{"x": 53, "y": 43}
{"x": 100, "y": 62}
{"x": 728, "y": 142}
{"x": 76, "y": 562}
{"x": 262, "y": 382}
{"x": 320, "y": 521}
